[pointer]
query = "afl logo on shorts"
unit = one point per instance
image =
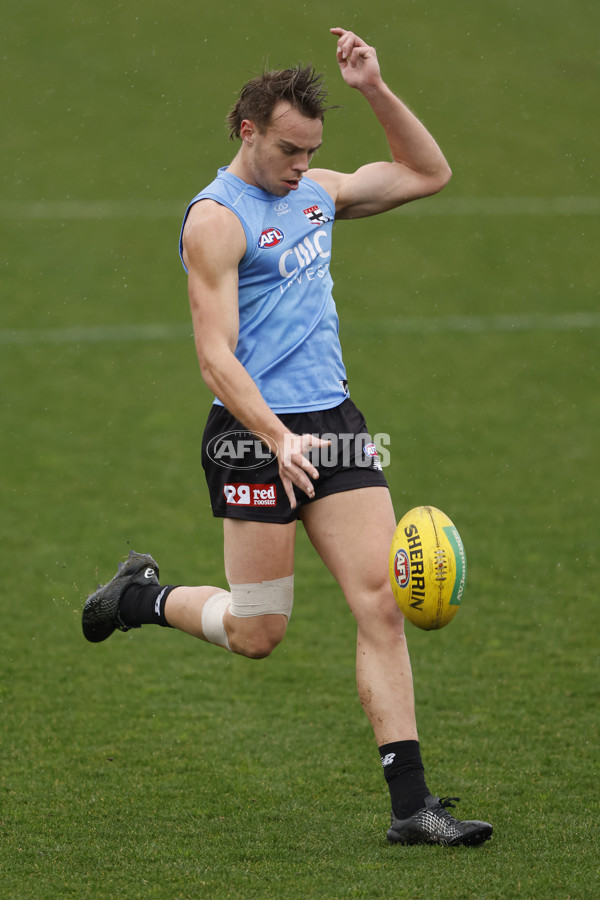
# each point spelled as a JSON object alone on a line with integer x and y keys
{"x": 402, "y": 568}
{"x": 240, "y": 450}
{"x": 270, "y": 237}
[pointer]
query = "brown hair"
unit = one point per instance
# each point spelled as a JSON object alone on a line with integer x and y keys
{"x": 300, "y": 86}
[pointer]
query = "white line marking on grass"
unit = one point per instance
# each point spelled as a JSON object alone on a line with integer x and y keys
{"x": 432, "y": 206}
{"x": 114, "y": 334}
{"x": 93, "y": 209}
{"x": 96, "y": 334}
{"x": 580, "y": 321}
{"x": 504, "y": 206}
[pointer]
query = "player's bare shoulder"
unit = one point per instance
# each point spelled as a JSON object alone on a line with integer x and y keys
{"x": 328, "y": 179}
{"x": 212, "y": 232}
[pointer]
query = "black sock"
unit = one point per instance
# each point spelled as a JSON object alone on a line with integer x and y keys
{"x": 144, "y": 605}
{"x": 405, "y": 776}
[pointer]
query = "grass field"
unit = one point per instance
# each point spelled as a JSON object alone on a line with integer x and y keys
{"x": 154, "y": 766}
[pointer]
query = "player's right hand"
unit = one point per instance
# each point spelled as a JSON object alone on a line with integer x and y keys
{"x": 295, "y": 468}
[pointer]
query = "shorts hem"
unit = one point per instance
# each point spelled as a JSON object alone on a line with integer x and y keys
{"x": 334, "y": 486}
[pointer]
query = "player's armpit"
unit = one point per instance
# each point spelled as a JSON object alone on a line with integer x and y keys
{"x": 376, "y": 188}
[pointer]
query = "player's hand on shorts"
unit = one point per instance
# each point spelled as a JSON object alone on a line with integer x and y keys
{"x": 294, "y": 466}
{"x": 357, "y": 60}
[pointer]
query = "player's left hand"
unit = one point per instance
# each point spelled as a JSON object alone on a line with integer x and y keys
{"x": 357, "y": 60}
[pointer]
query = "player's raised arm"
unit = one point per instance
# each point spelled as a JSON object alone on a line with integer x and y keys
{"x": 418, "y": 168}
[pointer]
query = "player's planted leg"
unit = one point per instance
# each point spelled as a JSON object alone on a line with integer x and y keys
{"x": 352, "y": 533}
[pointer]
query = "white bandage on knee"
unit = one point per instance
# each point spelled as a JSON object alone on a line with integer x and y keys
{"x": 263, "y": 598}
{"x": 213, "y": 611}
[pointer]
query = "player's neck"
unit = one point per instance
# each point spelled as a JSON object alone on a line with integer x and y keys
{"x": 240, "y": 169}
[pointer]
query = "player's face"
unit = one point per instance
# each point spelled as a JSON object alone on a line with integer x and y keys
{"x": 277, "y": 159}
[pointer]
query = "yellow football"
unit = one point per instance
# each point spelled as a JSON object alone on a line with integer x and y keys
{"x": 428, "y": 567}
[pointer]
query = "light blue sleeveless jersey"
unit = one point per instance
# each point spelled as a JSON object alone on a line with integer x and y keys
{"x": 288, "y": 336}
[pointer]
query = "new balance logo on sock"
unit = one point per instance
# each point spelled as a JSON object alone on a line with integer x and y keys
{"x": 158, "y": 599}
{"x": 149, "y": 573}
{"x": 388, "y": 759}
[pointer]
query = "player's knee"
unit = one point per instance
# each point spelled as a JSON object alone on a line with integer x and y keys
{"x": 259, "y": 615}
{"x": 250, "y": 620}
{"x": 256, "y": 638}
{"x": 377, "y": 612}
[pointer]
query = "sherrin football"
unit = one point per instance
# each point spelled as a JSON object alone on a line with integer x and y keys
{"x": 428, "y": 567}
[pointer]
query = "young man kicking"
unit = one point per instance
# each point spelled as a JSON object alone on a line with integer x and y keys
{"x": 256, "y": 245}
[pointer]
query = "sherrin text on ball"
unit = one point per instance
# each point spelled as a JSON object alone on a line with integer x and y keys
{"x": 428, "y": 567}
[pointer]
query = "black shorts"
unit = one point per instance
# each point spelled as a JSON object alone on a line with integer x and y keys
{"x": 243, "y": 476}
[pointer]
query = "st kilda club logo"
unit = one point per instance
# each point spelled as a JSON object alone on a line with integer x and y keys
{"x": 315, "y": 215}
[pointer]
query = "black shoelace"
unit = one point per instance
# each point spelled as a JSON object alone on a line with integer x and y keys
{"x": 448, "y": 803}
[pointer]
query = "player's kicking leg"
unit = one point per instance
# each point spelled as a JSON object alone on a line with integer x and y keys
{"x": 352, "y": 532}
{"x": 250, "y": 618}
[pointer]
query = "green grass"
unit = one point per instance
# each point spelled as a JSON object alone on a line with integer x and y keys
{"x": 153, "y": 766}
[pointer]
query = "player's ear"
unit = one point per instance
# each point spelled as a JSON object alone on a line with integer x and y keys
{"x": 247, "y": 131}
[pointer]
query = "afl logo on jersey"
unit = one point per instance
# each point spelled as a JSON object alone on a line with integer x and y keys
{"x": 270, "y": 237}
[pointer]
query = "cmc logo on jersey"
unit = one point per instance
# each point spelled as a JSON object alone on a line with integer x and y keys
{"x": 313, "y": 247}
{"x": 270, "y": 237}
